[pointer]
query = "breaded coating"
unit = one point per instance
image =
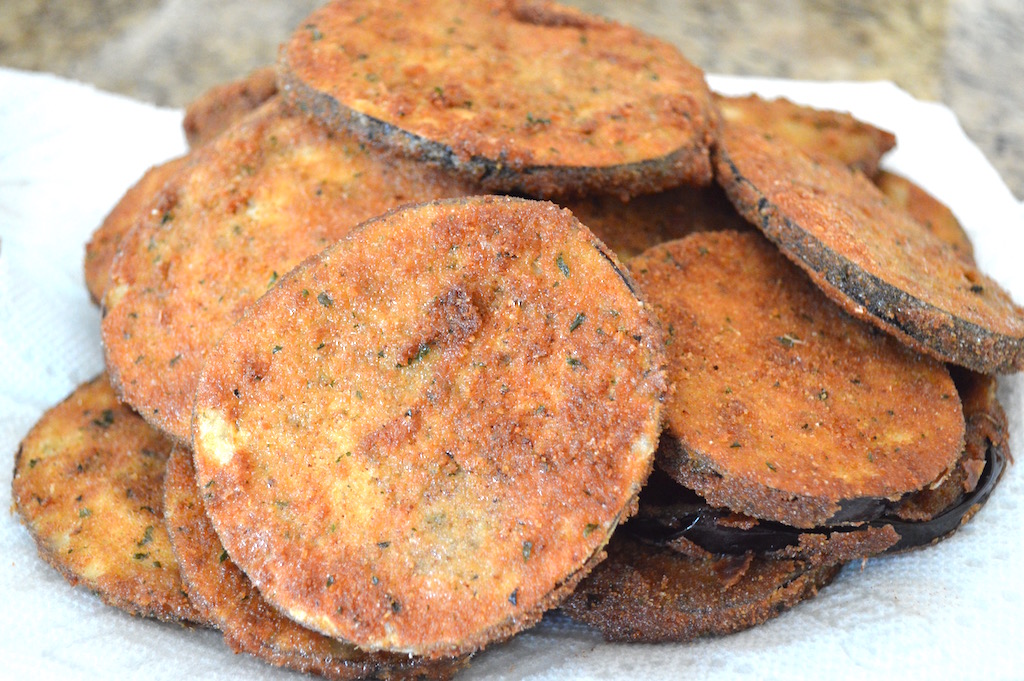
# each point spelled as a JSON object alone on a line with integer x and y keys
{"x": 934, "y": 215}
{"x": 645, "y": 593}
{"x": 785, "y": 408}
{"x": 88, "y": 484}
{"x": 631, "y": 227}
{"x": 132, "y": 208}
{"x": 218, "y": 108}
{"x": 254, "y": 203}
{"x": 229, "y": 601}
{"x": 522, "y": 96}
{"x": 820, "y": 132}
{"x": 425, "y": 457}
{"x": 876, "y": 262}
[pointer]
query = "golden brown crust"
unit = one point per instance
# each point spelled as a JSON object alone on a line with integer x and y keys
{"x": 523, "y": 97}
{"x": 219, "y": 107}
{"x": 631, "y": 227}
{"x": 784, "y": 408}
{"x": 229, "y": 601}
{"x": 426, "y": 457}
{"x": 88, "y": 484}
{"x": 935, "y": 216}
{"x": 821, "y": 132}
{"x": 879, "y": 264}
{"x": 132, "y": 208}
{"x": 643, "y": 593}
{"x": 253, "y": 204}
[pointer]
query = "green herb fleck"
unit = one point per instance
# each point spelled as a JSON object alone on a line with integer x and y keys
{"x": 105, "y": 420}
{"x": 788, "y": 341}
{"x": 140, "y": 556}
{"x": 577, "y": 322}
{"x": 574, "y": 362}
{"x": 223, "y": 555}
{"x": 314, "y": 32}
{"x": 330, "y": 580}
{"x": 273, "y": 279}
{"x": 513, "y": 597}
{"x": 735, "y": 445}
{"x": 147, "y": 537}
{"x": 770, "y": 465}
{"x": 325, "y": 299}
{"x": 277, "y": 349}
{"x": 589, "y": 528}
{"x": 84, "y": 513}
{"x": 823, "y": 395}
{"x": 527, "y": 550}
{"x": 560, "y": 261}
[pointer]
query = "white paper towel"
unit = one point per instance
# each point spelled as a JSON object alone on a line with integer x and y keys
{"x": 68, "y": 152}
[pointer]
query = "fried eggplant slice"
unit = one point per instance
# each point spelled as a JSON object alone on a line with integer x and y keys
{"x": 228, "y": 600}
{"x": 785, "y": 408}
{"x": 673, "y": 516}
{"x": 133, "y": 206}
{"x": 646, "y": 593}
{"x": 876, "y": 262}
{"x": 934, "y": 215}
{"x": 522, "y": 96}
{"x": 819, "y": 132}
{"x": 631, "y": 227}
{"x": 88, "y": 484}
{"x": 424, "y": 458}
{"x": 218, "y": 108}
{"x": 254, "y": 203}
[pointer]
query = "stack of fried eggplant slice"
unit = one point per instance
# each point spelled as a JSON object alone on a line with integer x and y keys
{"x": 389, "y": 408}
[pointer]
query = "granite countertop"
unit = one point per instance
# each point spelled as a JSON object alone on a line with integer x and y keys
{"x": 964, "y": 53}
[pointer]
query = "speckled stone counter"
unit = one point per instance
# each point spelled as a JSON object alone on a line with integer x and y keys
{"x": 964, "y": 53}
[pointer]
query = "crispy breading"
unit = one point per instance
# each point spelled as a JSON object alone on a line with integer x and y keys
{"x": 646, "y": 593}
{"x": 131, "y": 208}
{"x": 824, "y": 132}
{"x": 218, "y": 108}
{"x": 934, "y": 215}
{"x": 876, "y": 262}
{"x": 525, "y": 97}
{"x": 425, "y": 457}
{"x": 88, "y": 484}
{"x": 631, "y": 227}
{"x": 253, "y": 203}
{"x": 784, "y": 407}
{"x": 229, "y": 601}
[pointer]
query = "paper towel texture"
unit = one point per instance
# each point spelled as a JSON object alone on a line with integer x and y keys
{"x": 68, "y": 152}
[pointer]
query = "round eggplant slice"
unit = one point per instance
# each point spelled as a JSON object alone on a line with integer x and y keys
{"x": 522, "y": 96}
{"x": 824, "y": 132}
{"x": 88, "y": 484}
{"x": 133, "y": 207}
{"x": 253, "y": 203}
{"x": 646, "y": 593}
{"x": 785, "y": 408}
{"x": 931, "y": 213}
{"x": 229, "y": 601}
{"x": 424, "y": 456}
{"x": 875, "y": 261}
{"x": 221, "y": 106}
